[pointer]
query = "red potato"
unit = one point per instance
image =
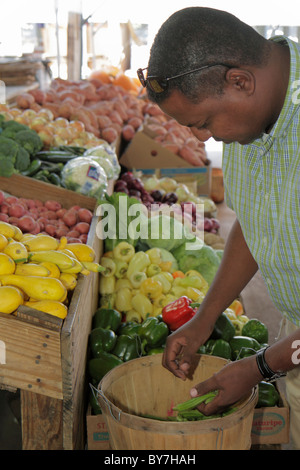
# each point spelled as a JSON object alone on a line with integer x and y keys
{"x": 2, "y": 197}
{"x": 13, "y": 221}
{"x": 4, "y": 208}
{"x": 50, "y": 230}
{"x": 27, "y": 224}
{"x": 53, "y": 205}
{"x": 73, "y": 240}
{"x": 82, "y": 227}
{"x": 103, "y": 121}
{"x": 61, "y": 212}
{"x": 73, "y": 233}
{"x": 70, "y": 218}
{"x": 83, "y": 237}
{"x": 61, "y": 232}
{"x": 50, "y": 215}
{"x": 4, "y": 217}
{"x": 85, "y": 215}
{"x": 75, "y": 208}
{"x": 16, "y": 210}
{"x": 11, "y": 199}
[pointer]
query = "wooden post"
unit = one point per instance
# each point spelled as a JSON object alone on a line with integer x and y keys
{"x": 74, "y": 45}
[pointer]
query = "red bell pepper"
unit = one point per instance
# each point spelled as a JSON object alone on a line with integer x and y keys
{"x": 177, "y": 313}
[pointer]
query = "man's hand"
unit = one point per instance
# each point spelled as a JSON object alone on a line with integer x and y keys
{"x": 233, "y": 382}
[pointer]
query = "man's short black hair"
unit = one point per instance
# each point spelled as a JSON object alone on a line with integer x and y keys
{"x": 198, "y": 36}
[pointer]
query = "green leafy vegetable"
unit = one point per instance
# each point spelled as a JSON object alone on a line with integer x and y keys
{"x": 29, "y": 140}
{"x": 205, "y": 260}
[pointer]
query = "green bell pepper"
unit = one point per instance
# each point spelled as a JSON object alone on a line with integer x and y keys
{"x": 102, "y": 339}
{"x": 218, "y": 347}
{"x": 239, "y": 342}
{"x": 130, "y": 328}
{"x": 153, "y": 332}
{"x": 267, "y": 395}
{"x": 101, "y": 365}
{"x": 127, "y": 347}
{"x": 107, "y": 318}
{"x": 256, "y": 329}
{"x": 223, "y": 328}
{"x": 153, "y": 351}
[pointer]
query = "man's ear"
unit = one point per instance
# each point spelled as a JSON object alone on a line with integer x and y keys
{"x": 241, "y": 80}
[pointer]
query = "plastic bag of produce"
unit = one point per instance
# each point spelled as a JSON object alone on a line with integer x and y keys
{"x": 106, "y": 165}
{"x": 85, "y": 176}
{"x": 106, "y": 151}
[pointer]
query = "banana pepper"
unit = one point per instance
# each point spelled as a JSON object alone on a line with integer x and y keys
{"x": 151, "y": 288}
{"x": 121, "y": 268}
{"x": 154, "y": 255}
{"x": 164, "y": 281}
{"x": 142, "y": 305}
{"x": 124, "y": 251}
{"x": 123, "y": 301}
{"x": 139, "y": 262}
{"x": 107, "y": 285}
{"x": 108, "y": 265}
{"x": 153, "y": 269}
{"x": 137, "y": 278}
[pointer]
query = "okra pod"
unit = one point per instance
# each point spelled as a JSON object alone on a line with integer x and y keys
{"x": 194, "y": 402}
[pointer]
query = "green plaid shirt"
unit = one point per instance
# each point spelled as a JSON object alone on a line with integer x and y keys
{"x": 262, "y": 186}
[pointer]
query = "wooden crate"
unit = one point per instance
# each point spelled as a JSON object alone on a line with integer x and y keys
{"x": 45, "y": 357}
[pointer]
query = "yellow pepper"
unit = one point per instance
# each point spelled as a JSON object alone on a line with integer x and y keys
{"x": 192, "y": 281}
{"x": 194, "y": 294}
{"x": 138, "y": 262}
{"x": 123, "y": 282}
{"x": 142, "y": 305}
{"x": 121, "y": 268}
{"x": 154, "y": 255}
{"x": 168, "y": 298}
{"x": 107, "y": 285}
{"x": 108, "y": 254}
{"x": 168, "y": 276}
{"x": 124, "y": 251}
{"x": 123, "y": 299}
{"x": 166, "y": 265}
{"x": 151, "y": 288}
{"x": 133, "y": 315}
{"x": 156, "y": 311}
{"x": 137, "y": 278}
{"x": 159, "y": 301}
{"x": 109, "y": 265}
{"x": 178, "y": 291}
{"x": 166, "y": 284}
{"x": 153, "y": 269}
{"x": 107, "y": 300}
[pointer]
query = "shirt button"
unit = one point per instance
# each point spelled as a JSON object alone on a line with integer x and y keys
{"x": 269, "y": 281}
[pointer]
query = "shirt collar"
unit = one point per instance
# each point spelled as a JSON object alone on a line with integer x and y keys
{"x": 291, "y": 102}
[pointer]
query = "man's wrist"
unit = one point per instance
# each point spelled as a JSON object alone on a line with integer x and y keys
{"x": 268, "y": 374}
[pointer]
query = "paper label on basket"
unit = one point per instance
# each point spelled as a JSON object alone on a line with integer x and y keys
{"x": 2, "y": 352}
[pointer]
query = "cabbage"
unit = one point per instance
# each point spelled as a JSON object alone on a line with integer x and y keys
{"x": 205, "y": 260}
{"x": 85, "y": 176}
{"x": 106, "y": 151}
{"x": 106, "y": 165}
{"x": 167, "y": 256}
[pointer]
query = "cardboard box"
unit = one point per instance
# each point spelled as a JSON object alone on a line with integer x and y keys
{"x": 146, "y": 155}
{"x": 97, "y": 432}
{"x": 271, "y": 424}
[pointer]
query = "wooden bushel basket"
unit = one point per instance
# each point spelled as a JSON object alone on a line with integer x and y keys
{"x": 144, "y": 387}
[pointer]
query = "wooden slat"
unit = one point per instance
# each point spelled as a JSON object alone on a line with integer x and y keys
{"x": 24, "y": 186}
{"x": 32, "y": 357}
{"x": 74, "y": 340}
{"x": 41, "y": 422}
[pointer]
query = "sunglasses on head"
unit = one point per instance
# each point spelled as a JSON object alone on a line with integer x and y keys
{"x": 160, "y": 84}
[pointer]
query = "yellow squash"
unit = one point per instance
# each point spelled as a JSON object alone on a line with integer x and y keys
{"x": 7, "y": 264}
{"x": 32, "y": 269}
{"x": 62, "y": 260}
{"x": 58, "y": 309}
{"x": 17, "y": 251}
{"x": 41, "y": 243}
{"x": 36, "y": 287}
{"x": 10, "y": 299}
{"x": 82, "y": 251}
